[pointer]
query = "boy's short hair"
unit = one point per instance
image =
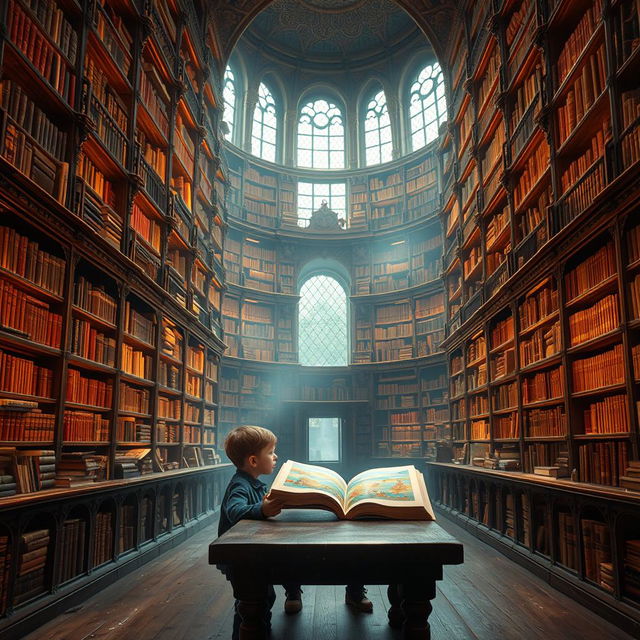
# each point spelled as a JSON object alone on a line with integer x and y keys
{"x": 245, "y": 441}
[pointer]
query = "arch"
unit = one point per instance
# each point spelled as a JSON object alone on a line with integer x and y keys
{"x": 376, "y": 133}
{"x": 230, "y": 100}
{"x": 104, "y": 532}
{"x": 427, "y": 105}
{"x": 265, "y": 125}
{"x": 320, "y": 139}
{"x": 323, "y": 316}
{"x": 147, "y": 511}
{"x": 129, "y": 520}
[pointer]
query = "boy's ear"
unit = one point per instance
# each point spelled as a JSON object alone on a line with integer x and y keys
{"x": 252, "y": 460}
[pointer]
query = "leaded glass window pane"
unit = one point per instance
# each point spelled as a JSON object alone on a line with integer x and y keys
{"x": 427, "y": 106}
{"x": 377, "y": 131}
{"x": 311, "y": 195}
{"x": 265, "y": 125}
{"x": 322, "y": 323}
{"x": 321, "y": 136}
{"x": 229, "y": 98}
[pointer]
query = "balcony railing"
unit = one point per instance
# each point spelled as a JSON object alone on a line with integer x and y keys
{"x": 192, "y": 99}
{"x": 166, "y": 46}
{"x": 496, "y": 279}
{"x": 524, "y": 129}
{"x": 580, "y": 195}
{"x": 472, "y": 305}
{"x": 153, "y": 185}
{"x": 111, "y": 39}
{"x": 108, "y": 131}
{"x": 530, "y": 245}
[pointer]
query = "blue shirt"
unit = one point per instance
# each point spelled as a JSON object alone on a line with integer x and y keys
{"x": 242, "y": 500}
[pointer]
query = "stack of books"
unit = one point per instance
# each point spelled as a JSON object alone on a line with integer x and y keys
{"x": 34, "y": 470}
{"x": 8, "y": 486}
{"x": 132, "y": 463}
{"x": 79, "y": 468}
{"x": 31, "y": 565}
{"x": 631, "y": 477}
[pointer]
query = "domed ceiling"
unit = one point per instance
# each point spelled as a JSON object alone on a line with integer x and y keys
{"x": 332, "y": 30}
{"x": 327, "y": 31}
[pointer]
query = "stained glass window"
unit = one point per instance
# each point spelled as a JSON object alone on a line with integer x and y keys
{"x": 427, "y": 105}
{"x": 311, "y": 195}
{"x": 322, "y": 322}
{"x": 377, "y": 131}
{"x": 321, "y": 136}
{"x": 229, "y": 97}
{"x": 265, "y": 125}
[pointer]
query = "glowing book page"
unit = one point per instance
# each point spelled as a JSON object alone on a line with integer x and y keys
{"x": 395, "y": 487}
{"x": 299, "y": 478}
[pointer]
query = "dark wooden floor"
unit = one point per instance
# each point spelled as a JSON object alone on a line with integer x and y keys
{"x": 180, "y": 597}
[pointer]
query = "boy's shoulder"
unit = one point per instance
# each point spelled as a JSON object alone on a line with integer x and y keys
{"x": 243, "y": 479}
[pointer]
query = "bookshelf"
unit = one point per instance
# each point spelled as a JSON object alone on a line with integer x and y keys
{"x": 108, "y": 274}
{"x": 110, "y": 282}
{"x": 262, "y": 194}
{"x": 545, "y": 270}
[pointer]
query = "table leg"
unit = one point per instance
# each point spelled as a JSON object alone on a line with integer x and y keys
{"x": 254, "y": 608}
{"x": 416, "y": 597}
{"x": 396, "y": 614}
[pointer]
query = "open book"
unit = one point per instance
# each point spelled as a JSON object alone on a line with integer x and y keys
{"x": 392, "y": 492}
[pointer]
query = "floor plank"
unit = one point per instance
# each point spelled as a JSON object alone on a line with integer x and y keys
{"x": 178, "y": 596}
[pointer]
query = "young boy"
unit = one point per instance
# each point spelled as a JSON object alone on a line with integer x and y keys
{"x": 252, "y": 451}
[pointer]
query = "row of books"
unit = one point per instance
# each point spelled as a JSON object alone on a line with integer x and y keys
{"x": 591, "y": 271}
{"x": 600, "y": 370}
{"x": 22, "y": 375}
{"x": 27, "y": 115}
{"x": 88, "y": 391}
{"x": 22, "y": 255}
{"x": 575, "y": 43}
{"x": 130, "y": 429}
{"x": 95, "y": 299}
{"x": 50, "y": 61}
{"x": 594, "y": 321}
{"x": 584, "y": 91}
{"x": 26, "y": 423}
{"x": 92, "y": 344}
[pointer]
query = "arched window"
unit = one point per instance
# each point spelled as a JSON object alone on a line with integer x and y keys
{"x": 265, "y": 126}
{"x": 377, "y": 131}
{"x": 427, "y": 106}
{"x": 322, "y": 322}
{"x": 321, "y": 136}
{"x": 229, "y": 97}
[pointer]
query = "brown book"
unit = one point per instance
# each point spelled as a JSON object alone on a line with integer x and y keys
{"x": 394, "y": 492}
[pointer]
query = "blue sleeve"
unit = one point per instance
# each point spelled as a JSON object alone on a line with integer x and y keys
{"x": 240, "y": 506}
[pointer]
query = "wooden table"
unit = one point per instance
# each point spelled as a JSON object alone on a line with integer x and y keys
{"x": 314, "y": 547}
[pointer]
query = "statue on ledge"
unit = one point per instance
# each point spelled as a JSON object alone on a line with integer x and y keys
{"x": 325, "y": 219}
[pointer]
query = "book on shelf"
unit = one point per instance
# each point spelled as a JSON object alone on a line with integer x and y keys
{"x": 395, "y": 492}
{"x": 575, "y": 43}
{"x": 34, "y": 548}
{"x": 77, "y": 468}
{"x": 72, "y": 548}
{"x": 54, "y": 63}
{"x": 32, "y": 469}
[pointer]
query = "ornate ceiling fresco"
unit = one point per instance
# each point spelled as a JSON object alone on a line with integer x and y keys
{"x": 332, "y": 28}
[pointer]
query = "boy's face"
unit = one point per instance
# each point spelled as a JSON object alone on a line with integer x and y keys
{"x": 265, "y": 462}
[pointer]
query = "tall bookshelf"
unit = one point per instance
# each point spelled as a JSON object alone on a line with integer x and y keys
{"x": 561, "y": 150}
{"x": 110, "y": 282}
{"x": 109, "y": 270}
{"x": 544, "y": 274}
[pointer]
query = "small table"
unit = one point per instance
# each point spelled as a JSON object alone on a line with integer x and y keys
{"x": 313, "y": 547}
